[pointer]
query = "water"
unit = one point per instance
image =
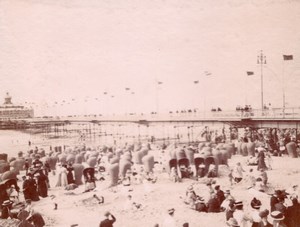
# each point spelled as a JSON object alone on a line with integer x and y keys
{"x": 90, "y": 134}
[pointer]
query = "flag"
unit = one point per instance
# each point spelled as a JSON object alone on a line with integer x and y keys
{"x": 127, "y": 88}
{"x": 207, "y": 73}
{"x": 250, "y": 73}
{"x": 196, "y": 81}
{"x": 159, "y": 82}
{"x": 287, "y": 57}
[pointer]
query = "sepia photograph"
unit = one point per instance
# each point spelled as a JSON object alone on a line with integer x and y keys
{"x": 152, "y": 113}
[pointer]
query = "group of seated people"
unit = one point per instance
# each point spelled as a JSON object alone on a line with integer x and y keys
{"x": 284, "y": 208}
{"x": 23, "y": 211}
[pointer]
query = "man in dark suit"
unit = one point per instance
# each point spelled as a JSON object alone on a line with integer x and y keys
{"x": 107, "y": 222}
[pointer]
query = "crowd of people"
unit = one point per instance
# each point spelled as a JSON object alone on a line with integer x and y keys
{"x": 284, "y": 206}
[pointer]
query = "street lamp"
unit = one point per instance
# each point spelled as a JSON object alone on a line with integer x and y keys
{"x": 285, "y": 58}
{"x": 261, "y": 60}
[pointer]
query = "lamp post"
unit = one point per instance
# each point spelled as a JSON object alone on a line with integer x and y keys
{"x": 261, "y": 60}
{"x": 285, "y": 58}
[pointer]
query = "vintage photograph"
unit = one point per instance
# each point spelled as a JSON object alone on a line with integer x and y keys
{"x": 152, "y": 113}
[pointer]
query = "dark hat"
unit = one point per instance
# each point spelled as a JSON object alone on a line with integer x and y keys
{"x": 277, "y": 215}
{"x": 227, "y": 191}
{"x": 264, "y": 213}
{"x": 255, "y": 203}
{"x": 107, "y": 213}
{"x": 7, "y": 203}
{"x": 238, "y": 204}
{"x": 217, "y": 187}
{"x": 171, "y": 211}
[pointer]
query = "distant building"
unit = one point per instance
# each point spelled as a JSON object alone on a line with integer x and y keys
{"x": 8, "y": 111}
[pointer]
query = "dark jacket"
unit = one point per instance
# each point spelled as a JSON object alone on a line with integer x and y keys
{"x": 107, "y": 222}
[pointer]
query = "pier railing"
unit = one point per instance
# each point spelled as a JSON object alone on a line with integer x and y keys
{"x": 255, "y": 114}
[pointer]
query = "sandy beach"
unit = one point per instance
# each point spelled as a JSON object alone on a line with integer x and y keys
{"x": 76, "y": 207}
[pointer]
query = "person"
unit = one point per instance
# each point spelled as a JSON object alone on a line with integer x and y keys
{"x": 229, "y": 210}
{"x": 261, "y": 159}
{"x": 42, "y": 186}
{"x": 6, "y": 208}
{"x": 36, "y": 219}
{"x": 32, "y": 188}
{"x": 264, "y": 219}
{"x": 227, "y": 200}
{"x": 26, "y": 165}
{"x": 108, "y": 221}
{"x": 278, "y": 218}
{"x": 238, "y": 172}
{"x": 213, "y": 205}
{"x": 274, "y": 199}
{"x": 190, "y": 196}
{"x": 169, "y": 220}
{"x": 293, "y": 214}
{"x": 264, "y": 176}
{"x": 256, "y": 219}
{"x": 240, "y": 215}
{"x": 174, "y": 175}
{"x": 70, "y": 176}
{"x": 200, "y": 205}
{"x": 220, "y": 194}
{"x": 201, "y": 171}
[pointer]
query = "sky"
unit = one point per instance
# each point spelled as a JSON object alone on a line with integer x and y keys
{"x": 67, "y": 57}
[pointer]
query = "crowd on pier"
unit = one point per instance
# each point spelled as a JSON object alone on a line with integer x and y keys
{"x": 25, "y": 179}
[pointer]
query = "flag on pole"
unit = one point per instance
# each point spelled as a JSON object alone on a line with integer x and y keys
{"x": 250, "y": 73}
{"x": 159, "y": 82}
{"x": 196, "y": 81}
{"x": 287, "y": 57}
{"x": 207, "y": 73}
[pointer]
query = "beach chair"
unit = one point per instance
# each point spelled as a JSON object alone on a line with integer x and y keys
{"x": 89, "y": 179}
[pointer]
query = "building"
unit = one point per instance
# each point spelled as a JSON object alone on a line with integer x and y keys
{"x": 9, "y": 111}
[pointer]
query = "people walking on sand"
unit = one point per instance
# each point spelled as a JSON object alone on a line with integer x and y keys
{"x": 42, "y": 185}
{"x": 108, "y": 221}
{"x": 32, "y": 188}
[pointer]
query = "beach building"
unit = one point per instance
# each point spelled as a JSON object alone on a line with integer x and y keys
{"x": 9, "y": 111}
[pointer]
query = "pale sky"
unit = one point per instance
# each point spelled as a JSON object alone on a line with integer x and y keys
{"x": 72, "y": 51}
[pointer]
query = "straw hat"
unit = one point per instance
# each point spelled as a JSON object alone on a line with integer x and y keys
{"x": 7, "y": 203}
{"x": 277, "y": 215}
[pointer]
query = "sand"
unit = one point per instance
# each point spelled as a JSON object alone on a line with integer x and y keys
{"x": 75, "y": 207}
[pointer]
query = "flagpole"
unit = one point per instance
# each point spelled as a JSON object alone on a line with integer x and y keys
{"x": 261, "y": 60}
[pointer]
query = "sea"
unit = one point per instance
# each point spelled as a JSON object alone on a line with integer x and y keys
{"x": 99, "y": 134}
